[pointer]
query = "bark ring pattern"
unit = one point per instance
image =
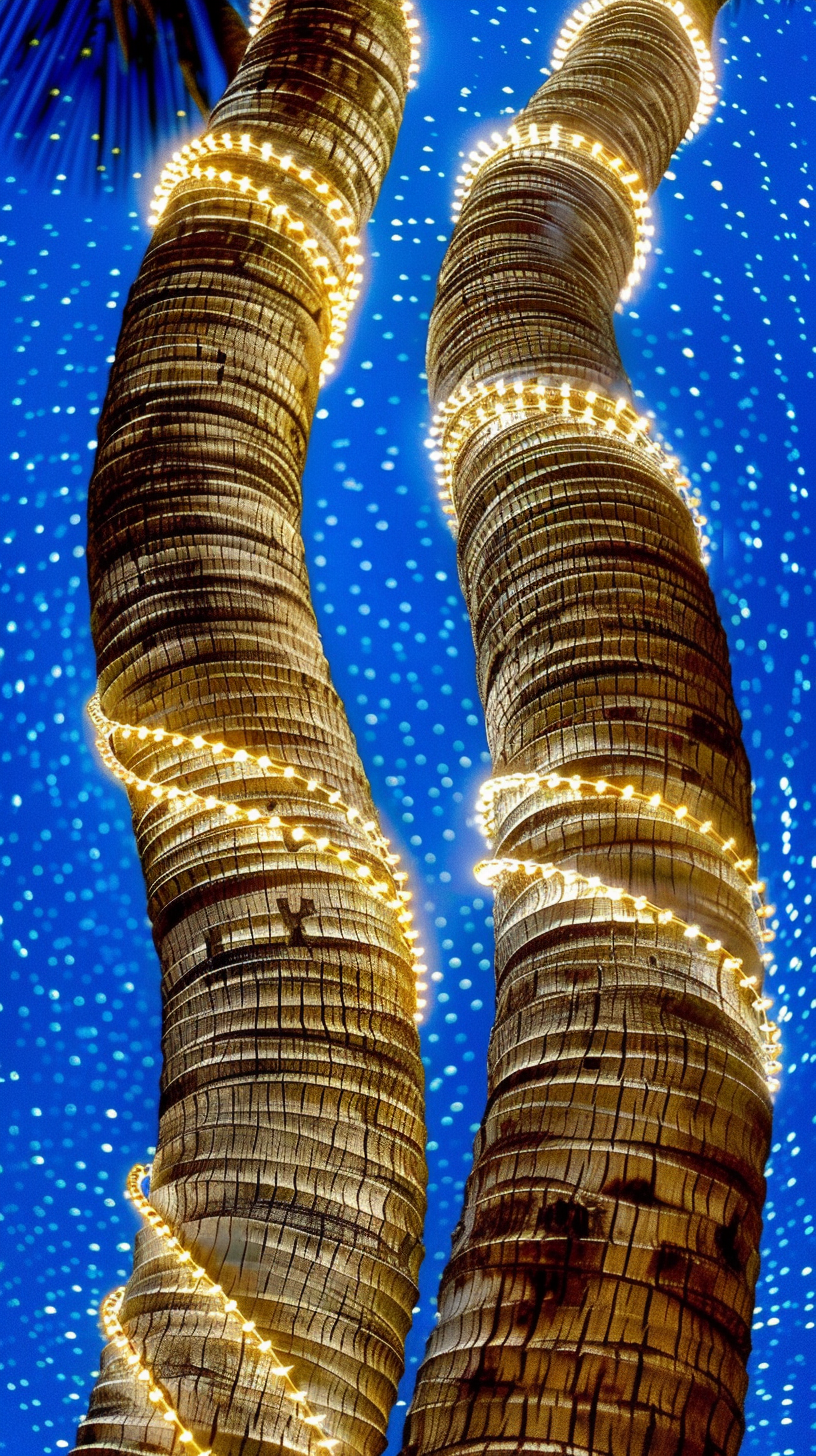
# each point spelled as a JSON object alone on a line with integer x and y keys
{"x": 586, "y": 13}
{"x": 556, "y": 139}
{"x": 197, "y": 162}
{"x": 290, "y": 1142}
{"x": 202, "y": 1284}
{"x": 599, "y": 1292}
{"x": 488, "y": 871}
{"x": 390, "y": 890}
{"x": 258, "y": 10}
{"x": 495, "y": 407}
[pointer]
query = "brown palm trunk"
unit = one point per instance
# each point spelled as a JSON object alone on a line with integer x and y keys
{"x": 290, "y": 1150}
{"x": 599, "y": 1294}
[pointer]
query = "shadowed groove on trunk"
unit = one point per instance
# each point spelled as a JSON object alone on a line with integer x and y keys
{"x": 291, "y": 1142}
{"x": 599, "y": 1293}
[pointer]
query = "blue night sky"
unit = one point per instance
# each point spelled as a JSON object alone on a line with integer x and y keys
{"x": 719, "y": 348}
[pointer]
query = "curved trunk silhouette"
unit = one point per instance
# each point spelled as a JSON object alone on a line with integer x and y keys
{"x": 599, "y": 1293}
{"x": 290, "y": 1156}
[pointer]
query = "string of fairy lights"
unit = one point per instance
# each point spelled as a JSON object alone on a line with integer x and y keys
{"x": 587, "y": 12}
{"x": 504, "y": 404}
{"x": 488, "y": 872}
{"x": 553, "y": 140}
{"x": 202, "y": 160}
{"x": 179, "y": 797}
{"x": 109, "y": 1314}
{"x": 495, "y": 406}
{"x": 539, "y": 782}
{"x": 200, "y": 1285}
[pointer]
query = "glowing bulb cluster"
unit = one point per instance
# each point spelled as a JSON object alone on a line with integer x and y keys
{"x": 490, "y": 872}
{"x": 201, "y": 1284}
{"x": 390, "y": 890}
{"x": 587, "y": 12}
{"x": 558, "y": 141}
{"x": 259, "y": 9}
{"x": 500, "y": 405}
{"x": 202, "y": 160}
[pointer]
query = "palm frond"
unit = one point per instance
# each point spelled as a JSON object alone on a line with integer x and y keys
{"x": 89, "y": 88}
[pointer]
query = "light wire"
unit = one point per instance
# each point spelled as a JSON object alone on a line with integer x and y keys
{"x": 202, "y": 1284}
{"x": 587, "y": 12}
{"x": 508, "y": 402}
{"x": 489, "y": 871}
{"x": 198, "y": 161}
{"x": 559, "y": 141}
{"x": 176, "y": 796}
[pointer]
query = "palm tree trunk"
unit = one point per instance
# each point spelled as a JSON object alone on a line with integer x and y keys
{"x": 290, "y": 1156}
{"x": 599, "y": 1293}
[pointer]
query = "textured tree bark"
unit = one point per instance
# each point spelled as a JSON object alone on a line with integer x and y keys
{"x": 291, "y": 1142}
{"x": 599, "y": 1293}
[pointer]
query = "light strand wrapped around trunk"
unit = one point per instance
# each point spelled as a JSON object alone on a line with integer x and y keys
{"x": 290, "y": 1150}
{"x": 599, "y": 1294}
